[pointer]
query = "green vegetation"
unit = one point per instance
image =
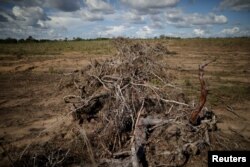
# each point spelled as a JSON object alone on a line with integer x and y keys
{"x": 101, "y": 46}
{"x": 97, "y": 47}
{"x": 230, "y": 44}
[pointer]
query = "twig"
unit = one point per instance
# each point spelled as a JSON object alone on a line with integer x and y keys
{"x": 207, "y": 136}
{"x": 175, "y": 102}
{"x": 24, "y": 151}
{"x": 105, "y": 87}
{"x": 170, "y": 109}
{"x": 123, "y": 153}
{"x": 88, "y": 145}
{"x": 236, "y": 132}
{"x": 229, "y": 108}
{"x": 161, "y": 124}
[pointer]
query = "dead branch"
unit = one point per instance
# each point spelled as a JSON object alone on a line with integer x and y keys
{"x": 88, "y": 145}
{"x": 203, "y": 97}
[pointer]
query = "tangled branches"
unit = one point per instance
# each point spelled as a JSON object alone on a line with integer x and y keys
{"x": 134, "y": 105}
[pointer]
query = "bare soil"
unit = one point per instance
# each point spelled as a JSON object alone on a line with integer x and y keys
{"x": 32, "y": 110}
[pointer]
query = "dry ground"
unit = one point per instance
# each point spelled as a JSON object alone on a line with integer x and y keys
{"x": 32, "y": 109}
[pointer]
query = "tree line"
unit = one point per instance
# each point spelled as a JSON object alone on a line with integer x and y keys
{"x": 31, "y": 39}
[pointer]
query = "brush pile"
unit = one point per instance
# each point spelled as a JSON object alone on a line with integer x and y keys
{"x": 141, "y": 118}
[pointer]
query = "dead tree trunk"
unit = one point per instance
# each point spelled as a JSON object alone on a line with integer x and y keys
{"x": 203, "y": 97}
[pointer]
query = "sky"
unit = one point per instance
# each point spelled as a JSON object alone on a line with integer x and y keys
{"x": 59, "y": 19}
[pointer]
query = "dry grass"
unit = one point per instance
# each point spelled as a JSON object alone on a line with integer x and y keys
{"x": 54, "y": 48}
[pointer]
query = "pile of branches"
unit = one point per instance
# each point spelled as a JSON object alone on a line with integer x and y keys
{"x": 140, "y": 117}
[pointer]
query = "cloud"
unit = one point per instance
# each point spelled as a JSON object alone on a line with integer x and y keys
{"x": 63, "y": 21}
{"x": 99, "y": 6}
{"x": 235, "y": 5}
{"x": 36, "y": 32}
{"x": 231, "y": 31}
{"x": 149, "y": 4}
{"x": 180, "y": 19}
{"x": 145, "y": 7}
{"x": 157, "y": 25}
{"x": 25, "y": 21}
{"x": 6, "y": 15}
{"x": 157, "y": 21}
{"x": 144, "y": 32}
{"x": 133, "y": 18}
{"x": 29, "y": 16}
{"x": 89, "y": 16}
{"x": 64, "y": 5}
{"x": 113, "y": 31}
{"x": 3, "y": 19}
{"x": 23, "y": 3}
{"x": 199, "y": 32}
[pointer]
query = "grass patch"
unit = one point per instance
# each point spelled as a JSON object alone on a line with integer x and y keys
{"x": 230, "y": 94}
{"x": 99, "y": 47}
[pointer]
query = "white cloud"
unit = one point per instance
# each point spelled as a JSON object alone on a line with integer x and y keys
{"x": 199, "y": 32}
{"x": 180, "y": 19}
{"x": 99, "y": 6}
{"x": 7, "y": 16}
{"x": 29, "y": 16}
{"x": 58, "y": 21}
{"x": 152, "y": 7}
{"x": 231, "y": 31}
{"x": 236, "y": 5}
{"x": 90, "y": 16}
{"x": 113, "y": 31}
{"x": 133, "y": 18}
{"x": 153, "y": 4}
{"x": 144, "y": 32}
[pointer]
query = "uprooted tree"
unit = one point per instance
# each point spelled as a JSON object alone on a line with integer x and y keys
{"x": 141, "y": 117}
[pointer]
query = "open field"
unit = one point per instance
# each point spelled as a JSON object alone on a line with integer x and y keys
{"x": 32, "y": 110}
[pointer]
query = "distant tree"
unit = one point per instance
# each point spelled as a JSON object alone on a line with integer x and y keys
{"x": 78, "y": 39}
{"x": 162, "y": 36}
{"x": 21, "y": 40}
{"x": 31, "y": 39}
{"x": 9, "y": 40}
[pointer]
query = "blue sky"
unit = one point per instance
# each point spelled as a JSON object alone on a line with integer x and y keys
{"x": 59, "y": 19}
